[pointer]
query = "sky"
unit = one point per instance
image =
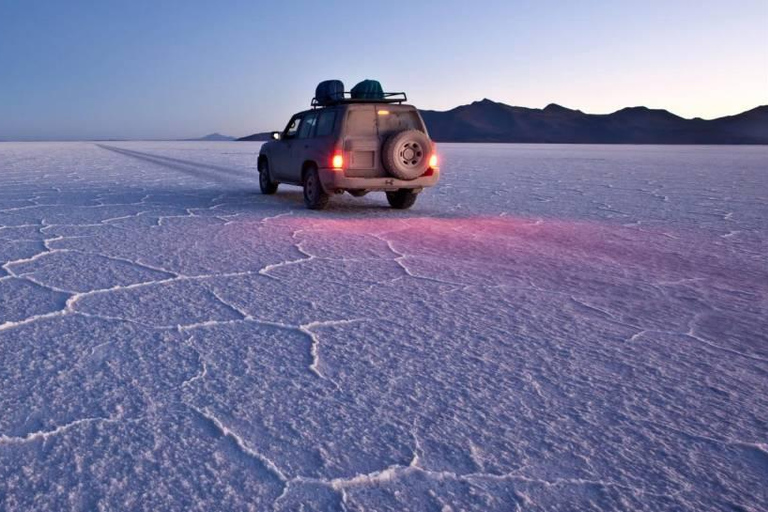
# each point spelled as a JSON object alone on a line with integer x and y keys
{"x": 153, "y": 69}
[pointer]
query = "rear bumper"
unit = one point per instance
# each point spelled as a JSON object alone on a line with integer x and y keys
{"x": 334, "y": 180}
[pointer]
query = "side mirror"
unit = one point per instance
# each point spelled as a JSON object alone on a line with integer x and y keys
{"x": 276, "y": 135}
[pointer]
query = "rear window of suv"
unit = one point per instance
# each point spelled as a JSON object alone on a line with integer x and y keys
{"x": 397, "y": 120}
{"x": 361, "y": 121}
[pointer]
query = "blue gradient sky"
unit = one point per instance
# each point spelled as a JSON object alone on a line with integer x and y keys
{"x": 164, "y": 69}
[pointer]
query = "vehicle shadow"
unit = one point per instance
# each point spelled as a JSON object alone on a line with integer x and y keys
{"x": 237, "y": 179}
{"x": 204, "y": 171}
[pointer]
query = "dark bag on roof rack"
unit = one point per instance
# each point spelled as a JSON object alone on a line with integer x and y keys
{"x": 329, "y": 91}
{"x": 367, "y": 90}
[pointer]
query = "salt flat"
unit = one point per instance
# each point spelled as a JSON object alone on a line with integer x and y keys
{"x": 551, "y": 328}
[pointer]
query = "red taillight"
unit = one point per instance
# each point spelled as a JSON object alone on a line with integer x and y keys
{"x": 337, "y": 162}
{"x": 433, "y": 161}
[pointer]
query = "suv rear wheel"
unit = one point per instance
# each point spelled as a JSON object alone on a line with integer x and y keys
{"x": 402, "y": 199}
{"x": 266, "y": 184}
{"x": 314, "y": 196}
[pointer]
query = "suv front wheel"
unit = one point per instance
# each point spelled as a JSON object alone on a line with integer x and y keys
{"x": 314, "y": 196}
{"x": 402, "y": 199}
{"x": 266, "y": 184}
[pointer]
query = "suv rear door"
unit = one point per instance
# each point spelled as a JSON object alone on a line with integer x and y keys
{"x": 361, "y": 141}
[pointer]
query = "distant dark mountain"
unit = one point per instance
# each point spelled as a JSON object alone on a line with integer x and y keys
{"x": 489, "y": 121}
{"x": 215, "y": 137}
{"x": 258, "y": 137}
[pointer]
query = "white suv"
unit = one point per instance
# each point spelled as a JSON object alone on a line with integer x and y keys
{"x": 352, "y": 144}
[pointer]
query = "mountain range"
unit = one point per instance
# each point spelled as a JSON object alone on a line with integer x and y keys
{"x": 259, "y": 137}
{"x": 214, "y": 137}
{"x": 491, "y": 121}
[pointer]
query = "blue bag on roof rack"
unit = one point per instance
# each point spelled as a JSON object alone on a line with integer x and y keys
{"x": 367, "y": 90}
{"x": 329, "y": 92}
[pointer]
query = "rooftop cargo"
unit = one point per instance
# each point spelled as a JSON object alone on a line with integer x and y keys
{"x": 331, "y": 92}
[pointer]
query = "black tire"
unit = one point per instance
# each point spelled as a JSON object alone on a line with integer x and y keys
{"x": 266, "y": 184}
{"x": 405, "y": 154}
{"x": 315, "y": 197}
{"x": 402, "y": 199}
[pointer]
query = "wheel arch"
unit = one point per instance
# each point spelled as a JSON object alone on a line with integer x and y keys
{"x": 308, "y": 164}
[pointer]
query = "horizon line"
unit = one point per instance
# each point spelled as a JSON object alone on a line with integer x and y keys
{"x": 194, "y": 139}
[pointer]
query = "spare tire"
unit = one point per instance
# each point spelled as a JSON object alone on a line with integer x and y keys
{"x": 406, "y": 154}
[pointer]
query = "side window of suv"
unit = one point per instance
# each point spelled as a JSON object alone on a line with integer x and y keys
{"x": 293, "y": 128}
{"x": 325, "y": 123}
{"x": 307, "y": 124}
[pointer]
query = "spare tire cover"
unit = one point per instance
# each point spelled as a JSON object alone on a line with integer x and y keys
{"x": 406, "y": 154}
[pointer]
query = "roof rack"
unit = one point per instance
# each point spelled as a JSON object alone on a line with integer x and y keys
{"x": 389, "y": 97}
